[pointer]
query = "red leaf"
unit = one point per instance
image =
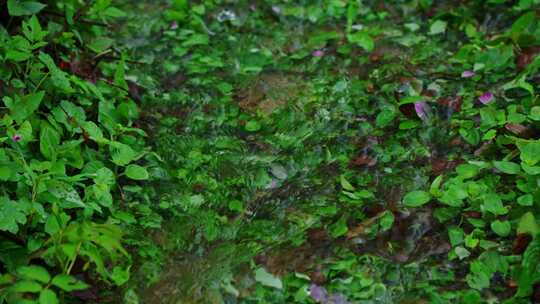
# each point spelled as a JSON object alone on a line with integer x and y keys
{"x": 472, "y": 214}
{"x": 64, "y": 65}
{"x": 441, "y": 165}
{"x": 362, "y": 160}
{"x": 451, "y": 102}
{"x": 521, "y": 243}
{"x": 520, "y": 130}
{"x": 408, "y": 110}
{"x": 526, "y": 56}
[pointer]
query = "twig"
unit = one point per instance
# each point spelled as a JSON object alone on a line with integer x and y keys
{"x": 92, "y": 22}
{"x": 112, "y": 57}
{"x": 109, "y": 82}
{"x": 82, "y": 10}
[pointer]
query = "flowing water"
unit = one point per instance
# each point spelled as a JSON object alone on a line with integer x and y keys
{"x": 269, "y": 121}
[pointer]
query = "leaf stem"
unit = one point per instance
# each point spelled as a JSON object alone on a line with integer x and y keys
{"x": 41, "y": 81}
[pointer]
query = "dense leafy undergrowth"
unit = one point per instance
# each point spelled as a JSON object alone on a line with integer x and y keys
{"x": 274, "y": 151}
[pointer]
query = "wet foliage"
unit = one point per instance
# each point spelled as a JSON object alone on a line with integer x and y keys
{"x": 216, "y": 151}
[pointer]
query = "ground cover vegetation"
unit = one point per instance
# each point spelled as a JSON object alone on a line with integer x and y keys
{"x": 215, "y": 151}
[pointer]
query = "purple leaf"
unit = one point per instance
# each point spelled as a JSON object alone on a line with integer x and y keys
{"x": 16, "y": 137}
{"x": 338, "y": 298}
{"x": 486, "y": 98}
{"x": 318, "y": 293}
{"x": 318, "y": 53}
{"x": 422, "y": 109}
{"x": 467, "y": 74}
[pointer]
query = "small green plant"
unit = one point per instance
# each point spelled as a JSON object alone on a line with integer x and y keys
{"x": 269, "y": 151}
{"x": 66, "y": 142}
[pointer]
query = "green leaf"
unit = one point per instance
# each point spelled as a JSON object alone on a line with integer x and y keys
{"x": 435, "y": 187}
{"x": 236, "y": 205}
{"x": 416, "y": 198}
{"x": 345, "y": 183}
{"x": 25, "y": 130}
{"x": 278, "y": 171}
{"x": 454, "y": 195}
{"x": 22, "y": 8}
{"x": 521, "y": 25}
{"x": 535, "y": 113}
{"x": 479, "y": 276}
{"x": 387, "y": 220}
{"x": 25, "y": 106}
{"x": 120, "y": 275}
{"x": 93, "y": 131}
{"x": 66, "y": 195}
{"x": 526, "y": 200}
{"x": 529, "y": 272}
{"x": 489, "y": 135}
{"x": 122, "y": 154}
{"x": 471, "y": 136}
{"x": 59, "y": 78}
{"x": 495, "y": 262}
{"x": 32, "y": 30}
{"x": 339, "y": 228}
{"x": 34, "y": 272}
{"x": 409, "y": 124}
{"x": 471, "y": 241}
{"x": 462, "y": 252}
{"x": 493, "y": 204}
{"x": 253, "y": 126}
{"x": 10, "y": 215}
{"x": 68, "y": 283}
{"x": 26, "y": 286}
{"x": 530, "y": 152}
{"x": 363, "y": 40}
{"x": 105, "y": 176}
{"x": 52, "y": 226}
{"x": 49, "y": 139}
{"x": 267, "y": 279}
{"x": 501, "y": 228}
{"x": 410, "y": 99}
{"x": 100, "y": 44}
{"x": 455, "y": 234}
{"x": 119, "y": 74}
{"x": 527, "y": 224}
{"x": 467, "y": 170}
{"x": 18, "y": 55}
{"x": 129, "y": 110}
{"x": 437, "y": 27}
{"x": 136, "y": 172}
{"x": 507, "y": 167}
{"x": 364, "y": 194}
{"x": 47, "y": 296}
{"x": 385, "y": 117}
{"x": 531, "y": 170}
